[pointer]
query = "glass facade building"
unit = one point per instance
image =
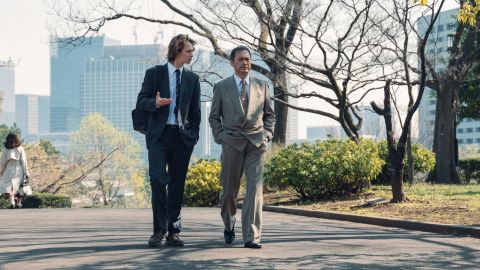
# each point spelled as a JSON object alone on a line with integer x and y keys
{"x": 67, "y": 64}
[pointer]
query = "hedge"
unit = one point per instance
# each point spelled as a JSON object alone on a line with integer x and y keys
{"x": 41, "y": 200}
{"x": 325, "y": 169}
{"x": 471, "y": 169}
{"x": 423, "y": 162}
{"x": 202, "y": 184}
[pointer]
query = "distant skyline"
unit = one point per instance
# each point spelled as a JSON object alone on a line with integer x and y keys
{"x": 25, "y": 39}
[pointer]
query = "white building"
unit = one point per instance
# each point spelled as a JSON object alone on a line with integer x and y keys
{"x": 468, "y": 131}
{"x": 7, "y": 89}
{"x": 32, "y": 114}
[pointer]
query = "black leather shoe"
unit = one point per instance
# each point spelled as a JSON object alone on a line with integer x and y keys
{"x": 252, "y": 244}
{"x": 229, "y": 236}
{"x": 174, "y": 240}
{"x": 156, "y": 239}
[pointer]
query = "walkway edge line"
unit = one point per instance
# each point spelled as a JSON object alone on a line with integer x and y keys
{"x": 459, "y": 230}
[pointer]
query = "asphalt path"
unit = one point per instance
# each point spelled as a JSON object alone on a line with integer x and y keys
{"x": 117, "y": 239}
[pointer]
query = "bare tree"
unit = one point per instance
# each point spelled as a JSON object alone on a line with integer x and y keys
{"x": 398, "y": 24}
{"x": 326, "y": 44}
{"x": 259, "y": 25}
{"x": 446, "y": 84}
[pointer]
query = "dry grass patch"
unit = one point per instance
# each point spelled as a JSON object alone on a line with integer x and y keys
{"x": 447, "y": 204}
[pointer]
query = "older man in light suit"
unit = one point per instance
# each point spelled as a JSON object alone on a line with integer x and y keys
{"x": 242, "y": 121}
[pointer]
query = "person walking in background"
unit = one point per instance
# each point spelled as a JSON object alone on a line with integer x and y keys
{"x": 242, "y": 121}
{"x": 13, "y": 169}
{"x": 171, "y": 94}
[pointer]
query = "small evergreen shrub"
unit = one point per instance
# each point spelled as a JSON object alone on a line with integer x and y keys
{"x": 423, "y": 162}
{"x": 202, "y": 184}
{"x": 4, "y": 202}
{"x": 325, "y": 169}
{"x": 41, "y": 200}
{"x": 470, "y": 169}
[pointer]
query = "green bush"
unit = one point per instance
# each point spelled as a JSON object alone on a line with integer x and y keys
{"x": 325, "y": 169}
{"x": 423, "y": 161}
{"x": 41, "y": 200}
{"x": 202, "y": 184}
{"x": 4, "y": 202}
{"x": 470, "y": 169}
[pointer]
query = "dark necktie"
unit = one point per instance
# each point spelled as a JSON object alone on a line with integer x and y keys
{"x": 243, "y": 96}
{"x": 177, "y": 93}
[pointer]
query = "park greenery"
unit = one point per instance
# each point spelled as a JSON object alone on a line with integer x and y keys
{"x": 202, "y": 184}
{"x": 41, "y": 200}
{"x": 324, "y": 169}
{"x": 439, "y": 203}
{"x": 309, "y": 52}
{"x": 338, "y": 52}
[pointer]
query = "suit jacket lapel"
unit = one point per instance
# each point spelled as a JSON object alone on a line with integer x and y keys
{"x": 185, "y": 92}
{"x": 234, "y": 95}
{"x": 252, "y": 98}
{"x": 164, "y": 86}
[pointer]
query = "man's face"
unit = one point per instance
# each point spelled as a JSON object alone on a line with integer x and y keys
{"x": 186, "y": 55}
{"x": 242, "y": 63}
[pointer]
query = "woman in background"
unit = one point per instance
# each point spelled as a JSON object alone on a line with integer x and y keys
{"x": 13, "y": 169}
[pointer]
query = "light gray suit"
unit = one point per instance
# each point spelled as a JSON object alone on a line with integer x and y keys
{"x": 243, "y": 137}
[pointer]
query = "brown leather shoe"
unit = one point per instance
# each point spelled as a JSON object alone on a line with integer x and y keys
{"x": 174, "y": 240}
{"x": 156, "y": 239}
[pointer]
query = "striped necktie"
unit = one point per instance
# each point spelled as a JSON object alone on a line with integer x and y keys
{"x": 177, "y": 93}
{"x": 243, "y": 96}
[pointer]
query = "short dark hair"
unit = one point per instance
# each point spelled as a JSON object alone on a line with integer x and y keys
{"x": 12, "y": 141}
{"x": 238, "y": 49}
{"x": 177, "y": 44}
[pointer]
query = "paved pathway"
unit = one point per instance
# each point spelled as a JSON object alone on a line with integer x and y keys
{"x": 117, "y": 238}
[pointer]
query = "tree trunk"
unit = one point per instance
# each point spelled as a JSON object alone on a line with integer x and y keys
{"x": 281, "y": 110}
{"x": 444, "y": 134}
{"x": 396, "y": 177}
{"x": 396, "y": 151}
{"x": 410, "y": 161}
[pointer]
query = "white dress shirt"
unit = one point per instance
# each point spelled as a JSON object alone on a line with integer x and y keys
{"x": 238, "y": 81}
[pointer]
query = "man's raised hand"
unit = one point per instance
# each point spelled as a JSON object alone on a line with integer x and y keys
{"x": 159, "y": 101}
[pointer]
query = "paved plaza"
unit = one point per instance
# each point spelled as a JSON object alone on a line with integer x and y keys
{"x": 117, "y": 239}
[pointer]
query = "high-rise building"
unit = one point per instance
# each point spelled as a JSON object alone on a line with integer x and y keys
{"x": 211, "y": 69}
{"x": 438, "y": 44}
{"x": 292, "y": 122}
{"x": 7, "y": 89}
{"x": 43, "y": 114}
{"x": 109, "y": 84}
{"x": 32, "y": 115}
{"x": 67, "y": 64}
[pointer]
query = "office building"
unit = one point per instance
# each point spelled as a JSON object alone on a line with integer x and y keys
{"x": 438, "y": 44}
{"x": 7, "y": 90}
{"x": 109, "y": 84}
{"x": 32, "y": 114}
{"x": 67, "y": 65}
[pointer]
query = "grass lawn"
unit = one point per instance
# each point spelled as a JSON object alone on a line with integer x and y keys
{"x": 447, "y": 204}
